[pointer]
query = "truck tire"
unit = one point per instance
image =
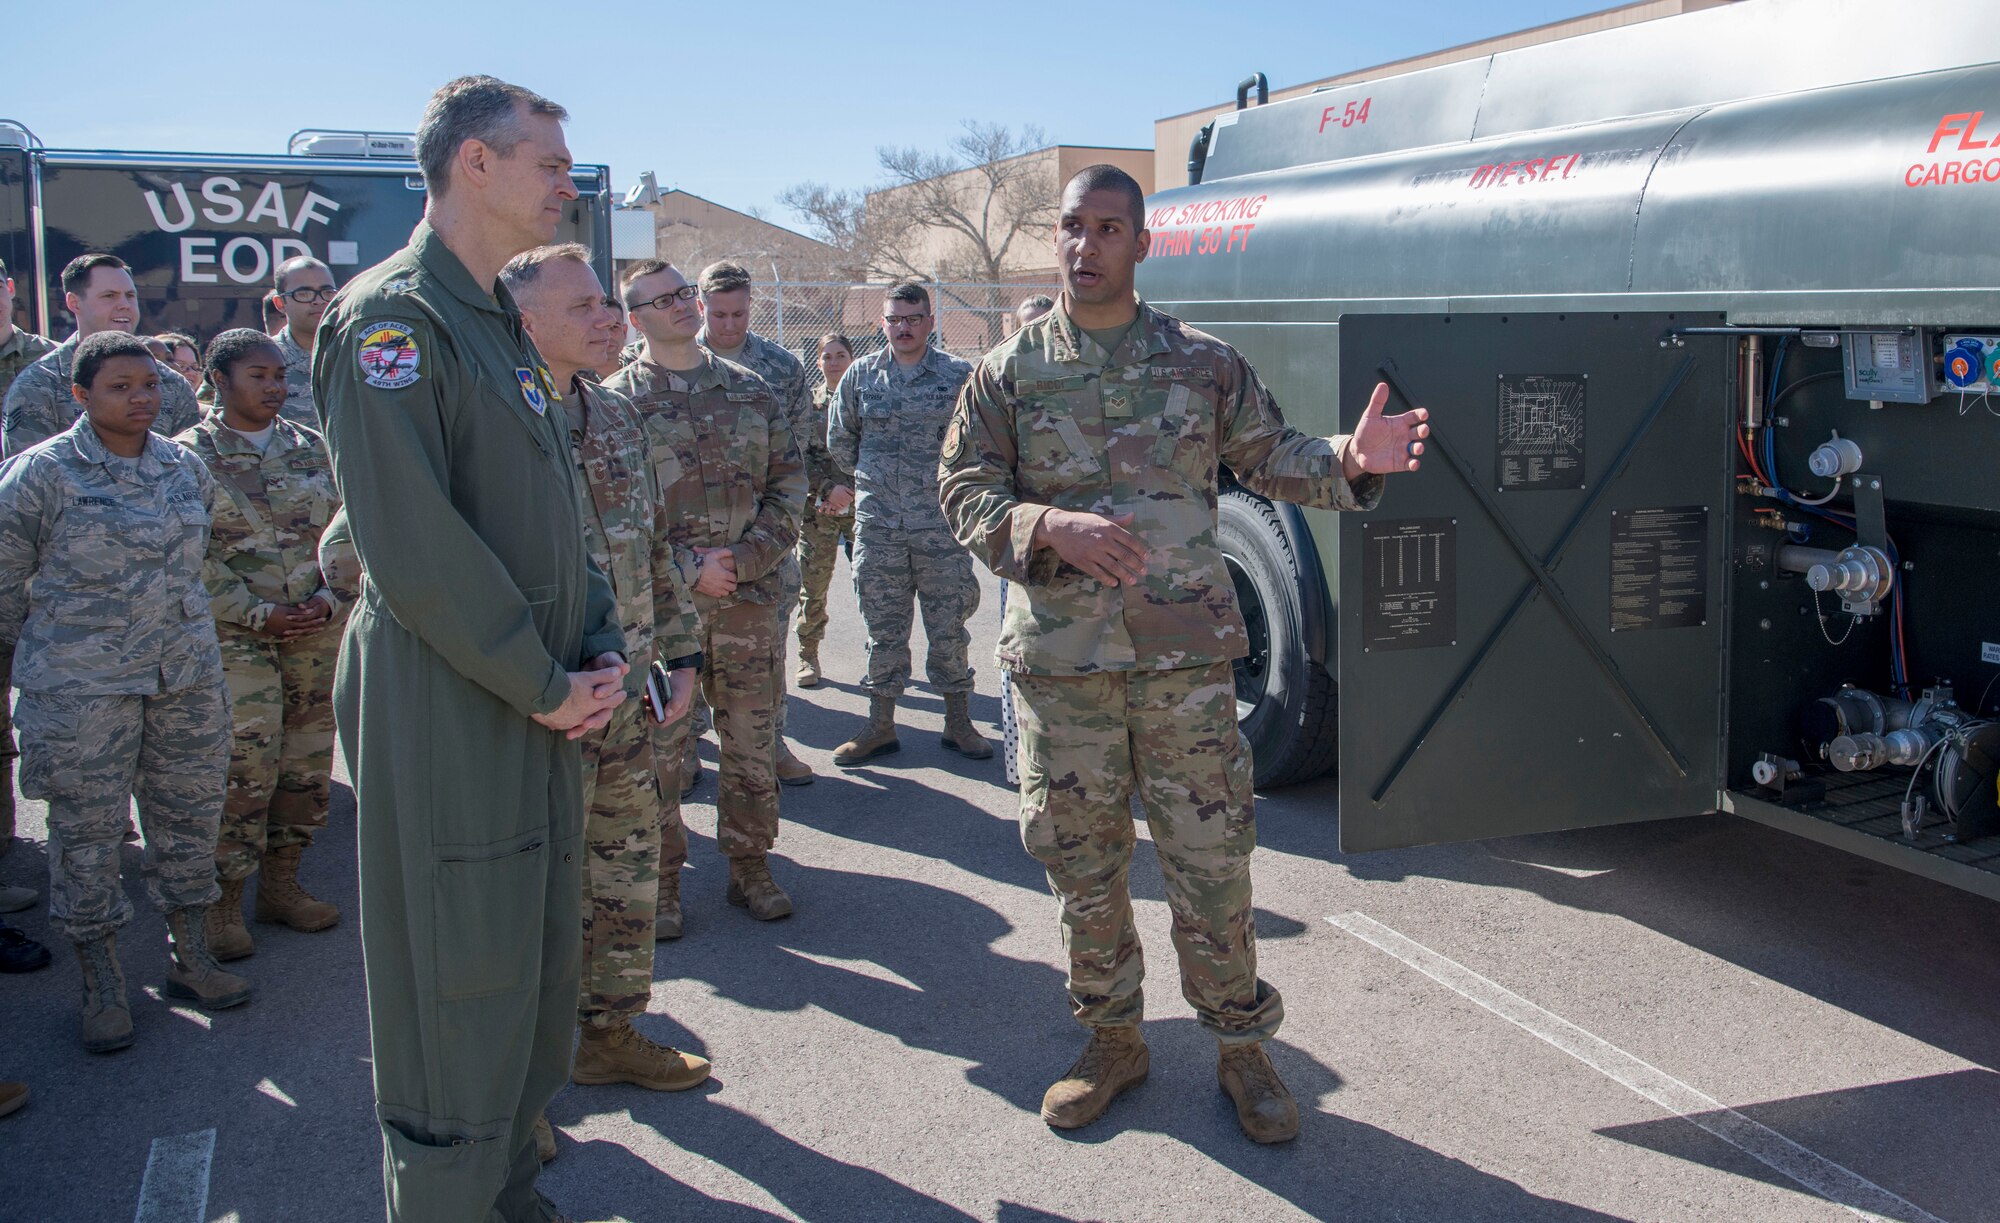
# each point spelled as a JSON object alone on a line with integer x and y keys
{"x": 1285, "y": 701}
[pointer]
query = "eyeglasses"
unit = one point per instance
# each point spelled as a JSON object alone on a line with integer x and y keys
{"x": 896, "y": 320}
{"x": 310, "y": 294}
{"x": 685, "y": 293}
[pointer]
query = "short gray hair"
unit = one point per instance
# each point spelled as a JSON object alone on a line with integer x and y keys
{"x": 526, "y": 268}
{"x": 482, "y": 108}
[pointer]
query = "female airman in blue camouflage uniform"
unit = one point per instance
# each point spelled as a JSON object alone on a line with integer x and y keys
{"x": 102, "y": 532}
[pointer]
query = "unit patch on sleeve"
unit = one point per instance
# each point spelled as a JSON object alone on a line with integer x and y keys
{"x": 389, "y": 355}
{"x": 531, "y": 390}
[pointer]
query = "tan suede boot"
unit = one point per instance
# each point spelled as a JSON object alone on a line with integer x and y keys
{"x": 960, "y": 735}
{"x": 617, "y": 1052}
{"x": 107, "y": 1017}
{"x": 192, "y": 973}
{"x": 751, "y": 887}
{"x": 545, "y": 1139}
{"x": 281, "y": 899}
{"x": 1264, "y": 1108}
{"x": 791, "y": 770}
{"x": 878, "y": 738}
{"x": 1115, "y": 1059}
{"x": 807, "y": 676}
{"x": 667, "y": 920}
{"x": 228, "y": 937}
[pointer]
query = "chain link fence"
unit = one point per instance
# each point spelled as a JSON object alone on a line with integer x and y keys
{"x": 971, "y": 318}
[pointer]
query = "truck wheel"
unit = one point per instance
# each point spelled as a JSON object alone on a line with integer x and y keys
{"x": 1285, "y": 701}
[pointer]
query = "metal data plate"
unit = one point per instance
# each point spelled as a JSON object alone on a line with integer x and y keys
{"x": 1559, "y": 664}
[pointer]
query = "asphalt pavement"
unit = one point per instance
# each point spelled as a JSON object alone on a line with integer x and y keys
{"x": 1690, "y": 1020}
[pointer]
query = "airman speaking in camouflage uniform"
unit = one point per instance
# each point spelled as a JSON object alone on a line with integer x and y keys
{"x": 301, "y": 290}
{"x": 576, "y": 327}
{"x": 883, "y": 427}
{"x": 102, "y": 533}
{"x": 829, "y": 516}
{"x": 725, "y": 331}
{"x": 19, "y": 348}
{"x": 733, "y": 483}
{"x": 99, "y": 292}
{"x": 276, "y": 618}
{"x": 1082, "y": 465}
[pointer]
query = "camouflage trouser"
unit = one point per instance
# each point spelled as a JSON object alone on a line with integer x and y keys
{"x": 621, "y": 887}
{"x": 7, "y": 749}
{"x": 819, "y": 542}
{"x": 738, "y": 644}
{"x": 669, "y": 742}
{"x": 701, "y": 719}
{"x": 892, "y": 570}
{"x": 89, "y": 756}
{"x": 1086, "y": 742}
{"x": 281, "y": 756}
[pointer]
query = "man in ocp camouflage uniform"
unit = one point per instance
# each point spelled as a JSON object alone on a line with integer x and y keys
{"x": 725, "y": 331}
{"x": 1082, "y": 465}
{"x": 730, "y": 474}
{"x": 302, "y": 289}
{"x": 575, "y": 328}
{"x": 19, "y": 348}
{"x": 884, "y": 427}
{"x": 99, "y": 292}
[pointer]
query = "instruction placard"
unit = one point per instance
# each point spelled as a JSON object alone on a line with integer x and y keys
{"x": 1540, "y": 431}
{"x": 1410, "y": 587}
{"x": 1659, "y": 568}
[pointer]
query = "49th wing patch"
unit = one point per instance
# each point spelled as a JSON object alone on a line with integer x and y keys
{"x": 389, "y": 355}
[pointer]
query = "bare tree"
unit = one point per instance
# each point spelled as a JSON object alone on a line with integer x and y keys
{"x": 957, "y": 214}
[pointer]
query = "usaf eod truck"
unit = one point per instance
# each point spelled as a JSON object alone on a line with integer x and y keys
{"x": 204, "y": 231}
{"x": 1707, "y": 313}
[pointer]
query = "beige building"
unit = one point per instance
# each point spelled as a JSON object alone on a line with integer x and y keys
{"x": 939, "y": 251}
{"x": 1173, "y": 135}
{"x": 691, "y": 233}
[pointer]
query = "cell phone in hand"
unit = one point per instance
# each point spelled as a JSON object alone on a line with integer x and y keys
{"x": 659, "y": 693}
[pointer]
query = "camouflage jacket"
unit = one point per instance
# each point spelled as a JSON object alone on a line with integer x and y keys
{"x": 39, "y": 404}
{"x": 270, "y": 510}
{"x": 1049, "y": 420}
{"x": 785, "y": 373}
{"x": 300, "y": 407}
{"x": 820, "y": 468}
{"x": 727, "y": 467}
{"x": 626, "y": 529}
{"x": 114, "y": 554}
{"x": 885, "y": 426}
{"x": 21, "y": 350}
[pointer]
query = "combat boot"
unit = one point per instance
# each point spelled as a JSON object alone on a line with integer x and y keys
{"x": 791, "y": 770}
{"x": 192, "y": 973}
{"x": 545, "y": 1139}
{"x": 807, "y": 676}
{"x": 751, "y": 887}
{"x": 617, "y": 1052}
{"x": 281, "y": 899}
{"x": 228, "y": 937}
{"x": 107, "y": 1017}
{"x": 1264, "y": 1109}
{"x": 1115, "y": 1059}
{"x": 960, "y": 735}
{"x": 878, "y": 738}
{"x": 667, "y": 919}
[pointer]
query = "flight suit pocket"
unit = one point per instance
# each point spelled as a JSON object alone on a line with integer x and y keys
{"x": 485, "y": 926}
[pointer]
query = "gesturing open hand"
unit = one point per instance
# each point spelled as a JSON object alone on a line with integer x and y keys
{"x": 1383, "y": 444}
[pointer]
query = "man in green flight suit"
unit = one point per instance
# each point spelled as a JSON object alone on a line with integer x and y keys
{"x": 483, "y": 644}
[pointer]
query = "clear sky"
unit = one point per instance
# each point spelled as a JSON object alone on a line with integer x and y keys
{"x": 732, "y": 101}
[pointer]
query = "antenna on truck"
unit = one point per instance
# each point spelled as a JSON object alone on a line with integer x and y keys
{"x": 338, "y": 142}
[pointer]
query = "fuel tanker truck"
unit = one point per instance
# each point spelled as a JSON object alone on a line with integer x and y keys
{"x": 1707, "y": 315}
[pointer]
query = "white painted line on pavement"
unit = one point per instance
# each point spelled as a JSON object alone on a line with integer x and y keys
{"x": 175, "y": 1188}
{"x": 268, "y": 1088}
{"x": 1830, "y": 1180}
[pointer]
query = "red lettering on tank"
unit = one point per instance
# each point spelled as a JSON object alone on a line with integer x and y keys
{"x": 1353, "y": 114}
{"x": 1556, "y": 167}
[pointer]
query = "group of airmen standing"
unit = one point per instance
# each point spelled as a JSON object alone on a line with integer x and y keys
{"x": 541, "y": 547}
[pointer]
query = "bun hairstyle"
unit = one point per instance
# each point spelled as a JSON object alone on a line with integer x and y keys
{"x": 231, "y": 347}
